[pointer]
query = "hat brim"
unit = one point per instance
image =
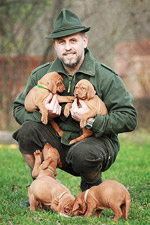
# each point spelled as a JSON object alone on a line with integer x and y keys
{"x": 64, "y": 33}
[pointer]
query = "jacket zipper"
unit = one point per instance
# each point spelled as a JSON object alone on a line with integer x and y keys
{"x": 70, "y": 81}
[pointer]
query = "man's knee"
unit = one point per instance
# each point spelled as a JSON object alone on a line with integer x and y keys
{"x": 32, "y": 136}
{"x": 28, "y": 137}
{"x": 27, "y": 129}
{"x": 87, "y": 156}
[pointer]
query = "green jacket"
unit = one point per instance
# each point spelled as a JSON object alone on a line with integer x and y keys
{"x": 122, "y": 115}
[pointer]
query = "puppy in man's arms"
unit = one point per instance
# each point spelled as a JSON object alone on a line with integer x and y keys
{"x": 84, "y": 90}
{"x": 50, "y": 83}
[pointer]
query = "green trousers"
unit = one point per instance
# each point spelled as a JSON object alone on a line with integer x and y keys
{"x": 84, "y": 157}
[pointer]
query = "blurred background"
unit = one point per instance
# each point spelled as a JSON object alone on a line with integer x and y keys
{"x": 119, "y": 37}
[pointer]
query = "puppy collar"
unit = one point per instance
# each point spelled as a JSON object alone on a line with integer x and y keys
{"x": 41, "y": 87}
{"x": 85, "y": 196}
{"x": 61, "y": 195}
{"x": 51, "y": 171}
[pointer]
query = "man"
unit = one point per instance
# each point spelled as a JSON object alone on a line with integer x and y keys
{"x": 74, "y": 62}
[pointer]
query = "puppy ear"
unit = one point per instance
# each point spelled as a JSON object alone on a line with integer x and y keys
{"x": 79, "y": 206}
{"x": 48, "y": 81}
{"x": 53, "y": 82}
{"x": 74, "y": 92}
{"x": 59, "y": 163}
{"x": 52, "y": 87}
{"x": 44, "y": 81}
{"x": 90, "y": 91}
{"x": 68, "y": 207}
{"x": 76, "y": 207}
{"x": 46, "y": 163}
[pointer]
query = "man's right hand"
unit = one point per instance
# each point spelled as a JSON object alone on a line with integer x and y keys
{"x": 52, "y": 105}
{"x": 77, "y": 112}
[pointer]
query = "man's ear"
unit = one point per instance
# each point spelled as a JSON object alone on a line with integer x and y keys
{"x": 54, "y": 43}
{"x": 85, "y": 39}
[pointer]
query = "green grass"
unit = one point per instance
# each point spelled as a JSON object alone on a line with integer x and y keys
{"x": 132, "y": 168}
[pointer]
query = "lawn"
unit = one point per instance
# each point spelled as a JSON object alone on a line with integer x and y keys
{"x": 132, "y": 168}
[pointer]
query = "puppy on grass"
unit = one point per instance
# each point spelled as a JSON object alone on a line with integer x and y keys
{"x": 46, "y": 191}
{"x": 109, "y": 194}
{"x": 51, "y": 161}
{"x": 50, "y": 193}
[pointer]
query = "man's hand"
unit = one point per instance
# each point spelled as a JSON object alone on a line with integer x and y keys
{"x": 77, "y": 112}
{"x": 52, "y": 105}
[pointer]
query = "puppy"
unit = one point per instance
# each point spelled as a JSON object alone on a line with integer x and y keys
{"x": 51, "y": 161}
{"x": 51, "y": 194}
{"x": 45, "y": 190}
{"x": 49, "y": 83}
{"x": 109, "y": 194}
{"x": 84, "y": 90}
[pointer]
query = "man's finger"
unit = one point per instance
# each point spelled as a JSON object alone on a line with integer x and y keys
{"x": 54, "y": 100}
{"x": 83, "y": 104}
{"x": 47, "y": 100}
{"x": 74, "y": 105}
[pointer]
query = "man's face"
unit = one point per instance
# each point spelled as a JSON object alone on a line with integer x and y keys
{"x": 70, "y": 49}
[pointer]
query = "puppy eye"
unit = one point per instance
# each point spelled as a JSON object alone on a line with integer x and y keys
{"x": 83, "y": 88}
{"x": 59, "y": 83}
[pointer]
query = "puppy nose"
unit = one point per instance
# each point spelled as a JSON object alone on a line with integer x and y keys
{"x": 76, "y": 93}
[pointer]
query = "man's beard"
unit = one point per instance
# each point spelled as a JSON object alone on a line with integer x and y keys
{"x": 71, "y": 63}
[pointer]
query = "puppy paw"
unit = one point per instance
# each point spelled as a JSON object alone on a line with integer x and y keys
{"x": 82, "y": 123}
{"x": 72, "y": 142}
{"x": 44, "y": 120}
{"x": 66, "y": 113}
{"x": 71, "y": 98}
{"x": 68, "y": 106}
{"x": 37, "y": 153}
{"x": 60, "y": 132}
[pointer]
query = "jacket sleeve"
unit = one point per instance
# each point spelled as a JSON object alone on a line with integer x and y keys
{"x": 19, "y": 112}
{"x": 122, "y": 116}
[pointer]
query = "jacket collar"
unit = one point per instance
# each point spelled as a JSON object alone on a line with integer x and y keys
{"x": 87, "y": 67}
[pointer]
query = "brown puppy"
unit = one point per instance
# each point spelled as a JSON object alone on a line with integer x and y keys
{"x": 84, "y": 90}
{"x": 109, "y": 194}
{"x": 45, "y": 190}
{"x": 52, "y": 194}
{"x": 49, "y": 83}
{"x": 51, "y": 161}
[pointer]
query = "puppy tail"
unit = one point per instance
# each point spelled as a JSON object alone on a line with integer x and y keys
{"x": 127, "y": 207}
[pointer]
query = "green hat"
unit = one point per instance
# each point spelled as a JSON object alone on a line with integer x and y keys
{"x": 67, "y": 23}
